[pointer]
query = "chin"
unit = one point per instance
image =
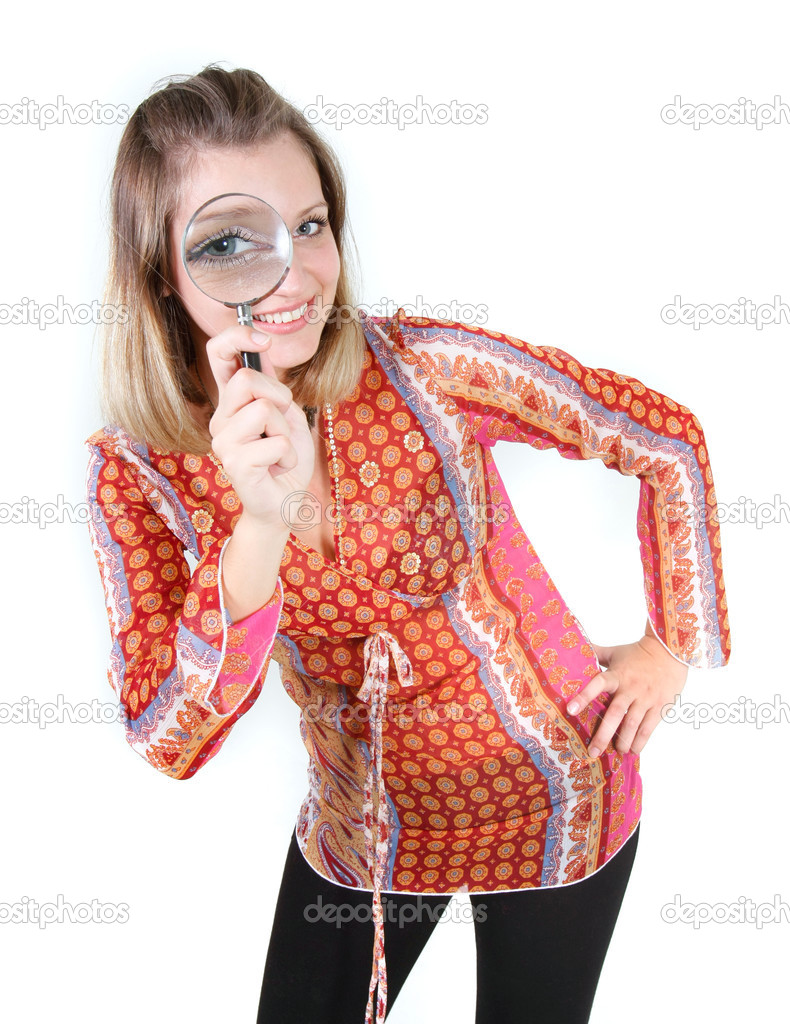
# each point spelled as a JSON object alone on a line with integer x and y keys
{"x": 290, "y": 351}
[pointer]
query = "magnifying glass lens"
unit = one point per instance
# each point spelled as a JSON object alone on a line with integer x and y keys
{"x": 237, "y": 249}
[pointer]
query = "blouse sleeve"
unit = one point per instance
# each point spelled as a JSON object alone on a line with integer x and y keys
{"x": 184, "y": 673}
{"x": 500, "y": 387}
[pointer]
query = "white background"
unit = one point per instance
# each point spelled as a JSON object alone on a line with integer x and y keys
{"x": 574, "y": 214}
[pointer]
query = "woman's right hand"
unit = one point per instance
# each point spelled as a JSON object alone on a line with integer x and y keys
{"x": 264, "y": 471}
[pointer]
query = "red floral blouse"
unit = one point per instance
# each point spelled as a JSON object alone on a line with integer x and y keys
{"x": 434, "y": 670}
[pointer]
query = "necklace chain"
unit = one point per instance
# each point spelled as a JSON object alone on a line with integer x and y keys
{"x": 334, "y": 467}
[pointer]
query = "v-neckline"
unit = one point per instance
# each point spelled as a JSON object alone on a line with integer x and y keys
{"x": 333, "y": 564}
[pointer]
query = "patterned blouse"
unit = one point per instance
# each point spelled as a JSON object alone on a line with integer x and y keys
{"x": 433, "y": 670}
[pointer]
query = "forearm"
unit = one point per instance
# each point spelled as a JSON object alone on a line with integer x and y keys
{"x": 250, "y": 565}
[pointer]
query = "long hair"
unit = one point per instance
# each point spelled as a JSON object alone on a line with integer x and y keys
{"x": 148, "y": 366}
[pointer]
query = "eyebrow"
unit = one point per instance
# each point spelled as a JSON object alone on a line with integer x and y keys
{"x": 307, "y": 209}
{"x": 242, "y": 211}
{"x": 236, "y": 211}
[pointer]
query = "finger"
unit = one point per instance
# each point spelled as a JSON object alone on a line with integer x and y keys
{"x": 645, "y": 731}
{"x": 608, "y": 726}
{"x": 223, "y": 350}
{"x": 254, "y": 418}
{"x": 257, "y": 456}
{"x": 631, "y": 723}
{"x": 244, "y": 387}
{"x": 604, "y": 682}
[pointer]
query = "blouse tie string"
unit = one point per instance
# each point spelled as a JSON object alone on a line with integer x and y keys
{"x": 378, "y": 649}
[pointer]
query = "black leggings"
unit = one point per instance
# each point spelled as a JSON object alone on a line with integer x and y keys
{"x": 539, "y": 951}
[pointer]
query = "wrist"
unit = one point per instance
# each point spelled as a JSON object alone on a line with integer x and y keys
{"x": 259, "y": 529}
{"x": 251, "y": 564}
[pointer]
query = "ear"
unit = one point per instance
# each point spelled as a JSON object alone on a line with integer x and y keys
{"x": 167, "y": 291}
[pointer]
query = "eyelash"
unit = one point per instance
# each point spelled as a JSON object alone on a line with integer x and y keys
{"x": 200, "y": 250}
{"x": 322, "y": 221}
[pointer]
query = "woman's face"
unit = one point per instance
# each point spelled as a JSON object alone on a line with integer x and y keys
{"x": 281, "y": 173}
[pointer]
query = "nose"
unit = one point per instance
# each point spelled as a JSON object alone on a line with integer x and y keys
{"x": 299, "y": 282}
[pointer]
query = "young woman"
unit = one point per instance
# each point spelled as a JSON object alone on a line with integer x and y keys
{"x": 461, "y": 733}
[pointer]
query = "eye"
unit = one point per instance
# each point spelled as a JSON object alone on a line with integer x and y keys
{"x": 226, "y": 247}
{"x": 229, "y": 247}
{"x": 311, "y": 227}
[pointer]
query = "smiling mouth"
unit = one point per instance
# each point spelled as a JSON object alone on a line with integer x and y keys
{"x": 282, "y": 318}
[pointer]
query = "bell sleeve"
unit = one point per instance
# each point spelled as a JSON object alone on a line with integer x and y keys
{"x": 183, "y": 671}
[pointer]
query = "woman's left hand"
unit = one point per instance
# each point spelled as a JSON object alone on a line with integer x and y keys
{"x": 642, "y": 678}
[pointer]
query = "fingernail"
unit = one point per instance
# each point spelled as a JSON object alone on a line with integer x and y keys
{"x": 573, "y": 707}
{"x": 594, "y": 751}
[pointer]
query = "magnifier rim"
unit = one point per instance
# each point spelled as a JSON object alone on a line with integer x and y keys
{"x": 243, "y": 302}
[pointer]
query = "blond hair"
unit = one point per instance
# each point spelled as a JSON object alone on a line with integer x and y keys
{"x": 150, "y": 386}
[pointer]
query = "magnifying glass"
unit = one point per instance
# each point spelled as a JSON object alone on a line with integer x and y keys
{"x": 237, "y": 250}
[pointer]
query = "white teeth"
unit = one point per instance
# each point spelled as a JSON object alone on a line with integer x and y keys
{"x": 283, "y": 318}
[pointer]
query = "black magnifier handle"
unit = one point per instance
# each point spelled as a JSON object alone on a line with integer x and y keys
{"x": 251, "y": 359}
{"x": 244, "y": 315}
